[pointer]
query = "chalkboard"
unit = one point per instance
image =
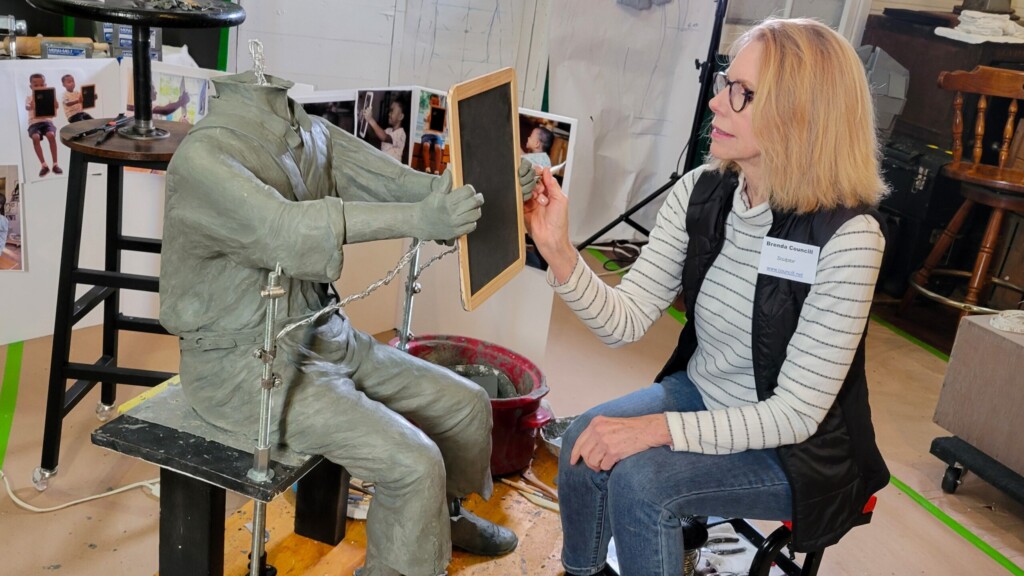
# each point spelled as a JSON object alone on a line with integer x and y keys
{"x": 484, "y": 134}
{"x": 45, "y": 102}
{"x": 437, "y": 118}
{"x": 89, "y": 96}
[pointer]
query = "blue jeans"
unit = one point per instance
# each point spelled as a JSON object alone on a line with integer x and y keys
{"x": 643, "y": 498}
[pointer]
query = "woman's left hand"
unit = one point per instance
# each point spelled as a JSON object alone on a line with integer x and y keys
{"x": 608, "y": 440}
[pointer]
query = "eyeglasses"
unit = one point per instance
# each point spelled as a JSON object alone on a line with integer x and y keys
{"x": 739, "y": 96}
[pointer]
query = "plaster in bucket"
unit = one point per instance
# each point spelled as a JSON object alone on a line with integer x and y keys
{"x": 514, "y": 384}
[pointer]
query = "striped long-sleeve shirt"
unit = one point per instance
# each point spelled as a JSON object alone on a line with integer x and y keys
{"x": 817, "y": 358}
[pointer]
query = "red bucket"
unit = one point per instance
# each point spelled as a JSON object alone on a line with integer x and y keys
{"x": 517, "y": 412}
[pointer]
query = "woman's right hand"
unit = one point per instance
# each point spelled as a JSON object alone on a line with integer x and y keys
{"x": 547, "y": 220}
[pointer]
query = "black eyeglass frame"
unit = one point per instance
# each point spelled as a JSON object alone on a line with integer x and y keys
{"x": 722, "y": 82}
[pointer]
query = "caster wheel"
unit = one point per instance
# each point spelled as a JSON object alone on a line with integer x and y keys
{"x": 104, "y": 412}
{"x": 41, "y": 478}
{"x": 951, "y": 479}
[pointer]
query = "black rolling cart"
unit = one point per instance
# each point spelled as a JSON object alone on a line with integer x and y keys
{"x": 982, "y": 405}
{"x": 144, "y": 143}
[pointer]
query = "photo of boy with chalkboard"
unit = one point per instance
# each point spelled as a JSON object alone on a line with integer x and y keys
{"x": 74, "y": 100}
{"x": 387, "y": 119}
{"x": 431, "y": 133}
{"x": 42, "y": 107}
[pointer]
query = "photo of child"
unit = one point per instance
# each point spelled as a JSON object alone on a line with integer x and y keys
{"x": 546, "y": 141}
{"x": 430, "y": 152}
{"x": 73, "y": 101}
{"x": 10, "y": 222}
{"x": 41, "y": 105}
{"x": 538, "y": 145}
{"x": 383, "y": 121}
{"x": 50, "y": 94}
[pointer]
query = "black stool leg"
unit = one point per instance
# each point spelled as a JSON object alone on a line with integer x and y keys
{"x": 112, "y": 257}
{"x": 191, "y": 526}
{"x": 812, "y": 561}
{"x": 57, "y": 391}
{"x": 322, "y": 502}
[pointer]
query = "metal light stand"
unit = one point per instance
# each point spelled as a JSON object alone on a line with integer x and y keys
{"x": 412, "y": 287}
{"x": 706, "y": 70}
{"x": 261, "y": 472}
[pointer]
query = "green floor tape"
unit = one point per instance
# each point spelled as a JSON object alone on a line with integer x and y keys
{"x": 9, "y": 395}
{"x": 957, "y": 527}
{"x": 927, "y": 347}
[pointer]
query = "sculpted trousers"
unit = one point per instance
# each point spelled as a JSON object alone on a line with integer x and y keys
{"x": 419, "y": 432}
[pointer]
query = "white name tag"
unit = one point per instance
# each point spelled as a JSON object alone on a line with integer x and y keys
{"x": 789, "y": 260}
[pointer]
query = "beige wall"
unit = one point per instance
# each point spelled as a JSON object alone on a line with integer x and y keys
{"x": 938, "y": 5}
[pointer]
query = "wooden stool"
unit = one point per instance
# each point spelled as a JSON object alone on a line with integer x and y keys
{"x": 116, "y": 152}
{"x": 1000, "y": 187}
{"x": 144, "y": 143}
{"x": 199, "y": 462}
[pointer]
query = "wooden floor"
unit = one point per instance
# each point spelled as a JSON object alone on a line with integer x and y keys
{"x": 118, "y": 535}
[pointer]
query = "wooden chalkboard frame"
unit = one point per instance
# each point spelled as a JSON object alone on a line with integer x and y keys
{"x": 470, "y": 244}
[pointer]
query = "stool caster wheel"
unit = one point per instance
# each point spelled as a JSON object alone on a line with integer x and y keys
{"x": 41, "y": 478}
{"x": 105, "y": 412}
{"x": 952, "y": 479}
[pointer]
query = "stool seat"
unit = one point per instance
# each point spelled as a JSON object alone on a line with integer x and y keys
{"x": 199, "y": 462}
{"x": 1009, "y": 180}
{"x": 770, "y": 548}
{"x": 120, "y": 149}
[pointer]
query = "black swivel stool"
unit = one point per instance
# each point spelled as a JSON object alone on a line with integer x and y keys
{"x": 143, "y": 143}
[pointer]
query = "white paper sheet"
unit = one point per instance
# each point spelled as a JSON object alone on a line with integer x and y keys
{"x": 446, "y": 42}
{"x": 629, "y": 77}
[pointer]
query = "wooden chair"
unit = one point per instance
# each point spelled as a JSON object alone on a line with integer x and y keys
{"x": 1000, "y": 187}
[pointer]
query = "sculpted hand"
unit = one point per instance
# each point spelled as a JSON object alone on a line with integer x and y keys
{"x": 606, "y": 440}
{"x": 528, "y": 178}
{"x": 445, "y": 213}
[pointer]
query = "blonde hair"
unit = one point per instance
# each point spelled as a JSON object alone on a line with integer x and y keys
{"x": 813, "y": 117}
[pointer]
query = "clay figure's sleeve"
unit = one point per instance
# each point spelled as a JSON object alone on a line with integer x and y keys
{"x": 363, "y": 173}
{"x": 224, "y": 209}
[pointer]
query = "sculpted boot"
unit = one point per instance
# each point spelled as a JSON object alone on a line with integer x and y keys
{"x": 476, "y": 535}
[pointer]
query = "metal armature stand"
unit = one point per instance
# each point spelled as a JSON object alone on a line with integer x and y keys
{"x": 260, "y": 471}
{"x": 706, "y": 71}
{"x": 412, "y": 288}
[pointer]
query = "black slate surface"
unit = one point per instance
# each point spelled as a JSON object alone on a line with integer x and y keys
{"x": 196, "y": 456}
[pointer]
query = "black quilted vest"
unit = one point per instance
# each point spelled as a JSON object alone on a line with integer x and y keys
{"x": 834, "y": 472}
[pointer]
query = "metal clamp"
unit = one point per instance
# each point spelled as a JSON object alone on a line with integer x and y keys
{"x": 11, "y": 28}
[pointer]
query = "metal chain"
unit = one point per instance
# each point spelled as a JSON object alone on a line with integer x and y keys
{"x": 402, "y": 262}
{"x": 258, "y": 61}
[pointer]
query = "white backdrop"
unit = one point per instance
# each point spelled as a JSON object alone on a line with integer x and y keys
{"x": 629, "y": 78}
